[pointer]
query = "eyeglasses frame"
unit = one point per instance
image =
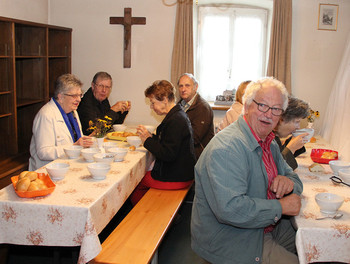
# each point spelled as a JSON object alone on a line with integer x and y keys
{"x": 272, "y": 108}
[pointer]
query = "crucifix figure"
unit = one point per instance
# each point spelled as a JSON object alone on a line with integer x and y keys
{"x": 127, "y": 21}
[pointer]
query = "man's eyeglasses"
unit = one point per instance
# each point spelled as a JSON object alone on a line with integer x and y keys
{"x": 264, "y": 108}
{"x": 101, "y": 86}
{"x": 75, "y": 96}
{"x": 337, "y": 180}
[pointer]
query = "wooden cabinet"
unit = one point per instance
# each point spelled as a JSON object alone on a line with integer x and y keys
{"x": 32, "y": 56}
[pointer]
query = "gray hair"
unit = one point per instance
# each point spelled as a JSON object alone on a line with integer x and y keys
{"x": 66, "y": 82}
{"x": 190, "y": 75}
{"x": 102, "y": 75}
{"x": 254, "y": 86}
{"x": 297, "y": 108}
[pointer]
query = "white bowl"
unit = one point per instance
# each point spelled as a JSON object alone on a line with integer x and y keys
{"x": 104, "y": 157}
{"x": 150, "y": 128}
{"x": 344, "y": 174}
{"x": 329, "y": 203}
{"x": 119, "y": 127}
{"x": 73, "y": 152}
{"x": 99, "y": 170}
{"x": 307, "y": 138}
{"x": 109, "y": 144}
{"x": 134, "y": 141}
{"x": 57, "y": 170}
{"x": 119, "y": 153}
{"x": 88, "y": 153}
{"x": 336, "y": 165}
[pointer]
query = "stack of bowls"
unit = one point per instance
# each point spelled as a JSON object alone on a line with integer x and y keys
{"x": 344, "y": 174}
{"x": 336, "y": 165}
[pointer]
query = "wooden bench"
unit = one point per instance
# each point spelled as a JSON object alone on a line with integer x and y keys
{"x": 137, "y": 238}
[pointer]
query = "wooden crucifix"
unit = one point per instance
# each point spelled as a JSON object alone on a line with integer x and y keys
{"x": 127, "y": 21}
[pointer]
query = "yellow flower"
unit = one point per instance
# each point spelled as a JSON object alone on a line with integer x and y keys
{"x": 101, "y": 126}
{"x": 312, "y": 115}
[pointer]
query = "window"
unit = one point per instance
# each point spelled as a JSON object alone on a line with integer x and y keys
{"x": 231, "y": 47}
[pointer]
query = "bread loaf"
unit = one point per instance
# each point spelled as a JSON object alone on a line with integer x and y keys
{"x": 32, "y": 175}
{"x": 315, "y": 167}
{"x": 329, "y": 155}
{"x": 22, "y": 174}
{"x": 23, "y": 184}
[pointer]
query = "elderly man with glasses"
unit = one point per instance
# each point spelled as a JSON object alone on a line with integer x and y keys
{"x": 95, "y": 105}
{"x": 245, "y": 192}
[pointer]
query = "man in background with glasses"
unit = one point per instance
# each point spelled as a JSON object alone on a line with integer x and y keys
{"x": 245, "y": 192}
{"x": 95, "y": 104}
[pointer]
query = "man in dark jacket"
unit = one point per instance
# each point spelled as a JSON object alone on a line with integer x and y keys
{"x": 95, "y": 105}
{"x": 198, "y": 110}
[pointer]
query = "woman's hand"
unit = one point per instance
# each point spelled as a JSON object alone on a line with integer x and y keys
{"x": 143, "y": 133}
{"x": 84, "y": 141}
{"x": 296, "y": 142}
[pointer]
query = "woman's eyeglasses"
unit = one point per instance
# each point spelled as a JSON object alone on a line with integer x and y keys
{"x": 337, "y": 180}
{"x": 75, "y": 96}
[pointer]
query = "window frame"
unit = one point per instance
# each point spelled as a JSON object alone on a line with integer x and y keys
{"x": 197, "y": 28}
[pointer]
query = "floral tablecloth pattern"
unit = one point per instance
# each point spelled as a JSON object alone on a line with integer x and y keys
{"x": 321, "y": 240}
{"x": 78, "y": 209}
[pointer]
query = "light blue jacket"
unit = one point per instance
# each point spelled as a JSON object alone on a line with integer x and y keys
{"x": 230, "y": 208}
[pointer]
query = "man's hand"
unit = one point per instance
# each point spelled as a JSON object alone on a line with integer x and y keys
{"x": 121, "y": 106}
{"x": 281, "y": 186}
{"x": 291, "y": 204}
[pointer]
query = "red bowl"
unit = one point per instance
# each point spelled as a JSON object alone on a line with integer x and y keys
{"x": 30, "y": 194}
{"x": 316, "y": 155}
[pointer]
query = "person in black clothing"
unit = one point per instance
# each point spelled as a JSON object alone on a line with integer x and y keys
{"x": 291, "y": 147}
{"x": 95, "y": 105}
{"x": 172, "y": 145}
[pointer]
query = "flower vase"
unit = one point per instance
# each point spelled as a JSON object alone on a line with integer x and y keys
{"x": 100, "y": 143}
{"x": 310, "y": 125}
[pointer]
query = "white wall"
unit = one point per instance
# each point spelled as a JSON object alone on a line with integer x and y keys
{"x": 19, "y": 9}
{"x": 316, "y": 54}
{"x": 97, "y": 45}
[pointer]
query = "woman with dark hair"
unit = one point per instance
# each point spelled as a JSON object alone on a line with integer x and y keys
{"x": 172, "y": 145}
{"x": 290, "y": 121}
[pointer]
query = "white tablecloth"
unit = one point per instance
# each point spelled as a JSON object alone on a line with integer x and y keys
{"x": 77, "y": 211}
{"x": 321, "y": 240}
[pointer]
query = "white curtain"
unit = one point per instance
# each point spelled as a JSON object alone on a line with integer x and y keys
{"x": 336, "y": 124}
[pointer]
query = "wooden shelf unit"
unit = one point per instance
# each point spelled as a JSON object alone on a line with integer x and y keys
{"x": 32, "y": 56}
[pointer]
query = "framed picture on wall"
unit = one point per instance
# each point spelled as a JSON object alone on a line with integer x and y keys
{"x": 328, "y": 17}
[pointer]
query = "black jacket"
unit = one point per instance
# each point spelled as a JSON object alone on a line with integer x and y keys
{"x": 173, "y": 149}
{"x": 91, "y": 109}
{"x": 288, "y": 156}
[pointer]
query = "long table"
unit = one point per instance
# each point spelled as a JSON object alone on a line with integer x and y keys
{"x": 321, "y": 240}
{"x": 78, "y": 209}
